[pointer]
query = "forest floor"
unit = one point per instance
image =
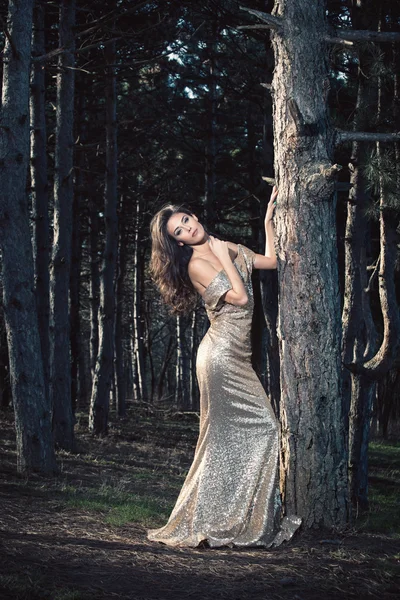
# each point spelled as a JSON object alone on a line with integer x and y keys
{"x": 82, "y": 535}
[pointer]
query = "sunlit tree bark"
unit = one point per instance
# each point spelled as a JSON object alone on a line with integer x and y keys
{"x": 314, "y": 473}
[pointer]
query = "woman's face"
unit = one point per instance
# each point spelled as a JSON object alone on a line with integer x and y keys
{"x": 186, "y": 229}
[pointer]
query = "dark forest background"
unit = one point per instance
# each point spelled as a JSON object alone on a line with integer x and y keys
{"x": 138, "y": 104}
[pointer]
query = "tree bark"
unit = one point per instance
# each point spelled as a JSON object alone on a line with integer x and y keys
{"x": 99, "y": 405}
{"x": 94, "y": 286}
{"x": 211, "y": 141}
{"x": 314, "y": 470}
{"x": 359, "y": 332}
{"x": 138, "y": 353}
{"x": 60, "y": 355}
{"x": 120, "y": 294}
{"x": 39, "y": 183}
{"x": 78, "y": 370}
{"x": 5, "y": 389}
{"x": 35, "y": 450}
{"x": 178, "y": 364}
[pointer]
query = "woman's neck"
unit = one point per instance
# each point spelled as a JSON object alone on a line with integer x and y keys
{"x": 203, "y": 248}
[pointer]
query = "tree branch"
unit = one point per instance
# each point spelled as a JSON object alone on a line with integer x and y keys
{"x": 255, "y": 26}
{"x": 365, "y": 136}
{"x": 361, "y": 35}
{"x": 275, "y": 23}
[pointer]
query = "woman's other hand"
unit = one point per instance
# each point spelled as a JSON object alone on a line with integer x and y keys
{"x": 271, "y": 205}
{"x": 219, "y": 248}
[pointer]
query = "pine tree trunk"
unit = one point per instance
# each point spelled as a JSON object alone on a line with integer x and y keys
{"x": 94, "y": 285}
{"x": 99, "y": 406}
{"x": 139, "y": 353}
{"x": 35, "y": 450}
{"x": 211, "y": 141}
{"x": 77, "y": 363}
{"x": 163, "y": 378}
{"x": 79, "y": 387}
{"x": 60, "y": 355}
{"x": 359, "y": 332}
{"x": 39, "y": 184}
{"x": 194, "y": 391}
{"x": 314, "y": 469}
{"x": 120, "y": 294}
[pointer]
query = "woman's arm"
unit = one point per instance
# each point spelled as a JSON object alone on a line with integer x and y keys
{"x": 237, "y": 295}
{"x": 269, "y": 261}
{"x": 202, "y": 273}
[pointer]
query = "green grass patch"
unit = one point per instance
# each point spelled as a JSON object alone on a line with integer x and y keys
{"x": 384, "y": 490}
{"x": 119, "y": 506}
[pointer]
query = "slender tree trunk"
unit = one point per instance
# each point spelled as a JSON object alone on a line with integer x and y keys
{"x": 162, "y": 379}
{"x": 120, "y": 293}
{"x": 39, "y": 183}
{"x": 359, "y": 332}
{"x": 35, "y": 450}
{"x": 78, "y": 368}
{"x": 211, "y": 141}
{"x": 99, "y": 406}
{"x": 314, "y": 469}
{"x": 94, "y": 286}
{"x": 194, "y": 391}
{"x": 60, "y": 356}
{"x": 178, "y": 363}
{"x": 139, "y": 353}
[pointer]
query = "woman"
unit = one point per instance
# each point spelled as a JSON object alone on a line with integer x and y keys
{"x": 230, "y": 495}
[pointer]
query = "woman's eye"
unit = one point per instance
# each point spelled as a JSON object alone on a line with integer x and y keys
{"x": 178, "y": 232}
{"x": 186, "y": 219}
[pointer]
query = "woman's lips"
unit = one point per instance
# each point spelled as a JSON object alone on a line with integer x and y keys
{"x": 194, "y": 232}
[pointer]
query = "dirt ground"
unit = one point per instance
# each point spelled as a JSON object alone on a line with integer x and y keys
{"x": 53, "y": 549}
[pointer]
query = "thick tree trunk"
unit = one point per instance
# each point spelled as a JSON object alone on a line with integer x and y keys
{"x": 99, "y": 405}
{"x": 314, "y": 469}
{"x": 39, "y": 183}
{"x": 35, "y": 450}
{"x": 60, "y": 356}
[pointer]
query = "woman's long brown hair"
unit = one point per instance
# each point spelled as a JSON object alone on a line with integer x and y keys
{"x": 169, "y": 263}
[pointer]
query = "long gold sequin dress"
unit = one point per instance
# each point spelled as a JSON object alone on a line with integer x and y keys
{"x": 231, "y": 494}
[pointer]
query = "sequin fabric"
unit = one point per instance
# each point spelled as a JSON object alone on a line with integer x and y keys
{"x": 231, "y": 494}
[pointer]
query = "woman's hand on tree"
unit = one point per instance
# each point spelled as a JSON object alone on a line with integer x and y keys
{"x": 271, "y": 205}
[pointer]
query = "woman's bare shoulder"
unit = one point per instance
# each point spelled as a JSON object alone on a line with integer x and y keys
{"x": 232, "y": 245}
